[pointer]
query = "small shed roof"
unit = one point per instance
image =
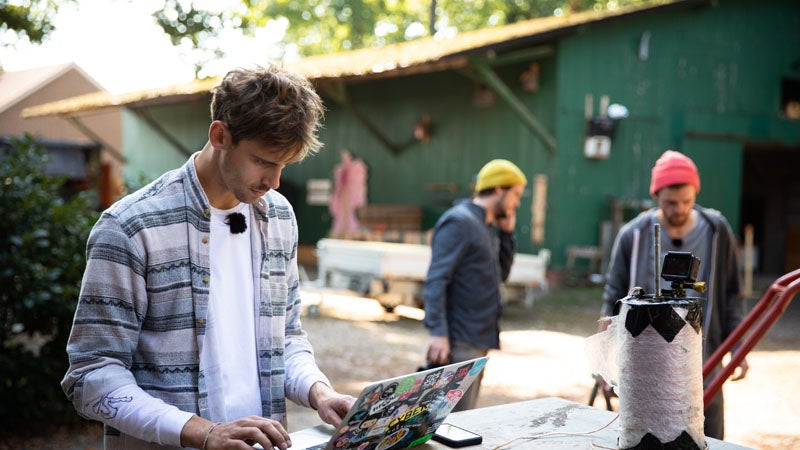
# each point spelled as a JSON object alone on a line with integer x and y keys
{"x": 418, "y": 56}
{"x": 18, "y": 85}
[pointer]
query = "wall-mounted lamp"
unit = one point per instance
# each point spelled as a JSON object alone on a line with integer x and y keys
{"x": 616, "y": 111}
{"x": 600, "y": 129}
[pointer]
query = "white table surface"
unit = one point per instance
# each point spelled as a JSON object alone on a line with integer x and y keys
{"x": 555, "y": 422}
{"x": 500, "y": 424}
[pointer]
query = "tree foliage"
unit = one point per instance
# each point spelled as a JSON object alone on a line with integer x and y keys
{"x": 42, "y": 258}
{"x": 31, "y": 18}
{"x": 195, "y": 29}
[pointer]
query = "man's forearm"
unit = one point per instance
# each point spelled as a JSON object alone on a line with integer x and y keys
{"x": 111, "y": 396}
{"x": 318, "y": 393}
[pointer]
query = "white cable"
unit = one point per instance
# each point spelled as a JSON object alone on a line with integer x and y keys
{"x": 555, "y": 433}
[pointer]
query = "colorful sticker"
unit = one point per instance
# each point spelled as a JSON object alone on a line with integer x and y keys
{"x": 476, "y": 368}
{"x": 393, "y": 439}
{"x": 421, "y": 440}
{"x": 380, "y": 405}
{"x": 431, "y": 379}
{"x": 389, "y": 391}
{"x": 341, "y": 442}
{"x": 462, "y": 372}
{"x": 367, "y": 424}
{"x": 454, "y": 396}
{"x": 444, "y": 380}
{"x": 406, "y": 384}
{"x": 372, "y": 396}
{"x": 411, "y": 391}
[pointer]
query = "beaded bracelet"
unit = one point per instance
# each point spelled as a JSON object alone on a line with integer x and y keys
{"x": 208, "y": 434}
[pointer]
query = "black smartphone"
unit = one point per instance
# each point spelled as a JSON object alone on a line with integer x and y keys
{"x": 453, "y": 436}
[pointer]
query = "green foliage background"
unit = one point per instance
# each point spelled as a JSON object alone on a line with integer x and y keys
{"x": 42, "y": 258}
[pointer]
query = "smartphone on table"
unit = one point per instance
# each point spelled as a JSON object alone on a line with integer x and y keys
{"x": 453, "y": 436}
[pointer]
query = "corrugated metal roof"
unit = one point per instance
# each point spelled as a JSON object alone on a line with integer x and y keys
{"x": 421, "y": 55}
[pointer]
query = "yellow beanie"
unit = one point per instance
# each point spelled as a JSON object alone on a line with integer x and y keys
{"x": 499, "y": 173}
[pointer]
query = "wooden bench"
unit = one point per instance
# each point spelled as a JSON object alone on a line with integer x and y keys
{"x": 380, "y": 217}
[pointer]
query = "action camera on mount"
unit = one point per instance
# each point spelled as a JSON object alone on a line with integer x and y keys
{"x": 682, "y": 268}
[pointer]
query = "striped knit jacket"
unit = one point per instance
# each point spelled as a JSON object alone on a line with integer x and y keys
{"x": 141, "y": 315}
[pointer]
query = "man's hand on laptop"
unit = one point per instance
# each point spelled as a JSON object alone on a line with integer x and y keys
{"x": 331, "y": 405}
{"x": 200, "y": 433}
{"x": 439, "y": 350}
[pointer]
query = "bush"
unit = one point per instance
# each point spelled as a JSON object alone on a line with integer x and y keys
{"x": 42, "y": 258}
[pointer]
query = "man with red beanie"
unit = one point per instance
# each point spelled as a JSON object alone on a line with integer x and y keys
{"x": 685, "y": 227}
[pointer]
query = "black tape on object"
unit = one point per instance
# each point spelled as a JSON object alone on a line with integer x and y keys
{"x": 650, "y": 442}
{"x": 662, "y": 317}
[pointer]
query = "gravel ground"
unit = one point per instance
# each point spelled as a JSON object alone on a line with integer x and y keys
{"x": 542, "y": 355}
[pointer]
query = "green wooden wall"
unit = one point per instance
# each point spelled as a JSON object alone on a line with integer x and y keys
{"x": 148, "y": 152}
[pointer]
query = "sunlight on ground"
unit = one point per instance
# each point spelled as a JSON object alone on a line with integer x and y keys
{"x": 762, "y": 386}
{"x": 538, "y": 363}
{"x": 347, "y": 305}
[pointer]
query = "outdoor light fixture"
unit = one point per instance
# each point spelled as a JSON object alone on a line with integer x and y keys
{"x": 600, "y": 129}
{"x": 617, "y": 111}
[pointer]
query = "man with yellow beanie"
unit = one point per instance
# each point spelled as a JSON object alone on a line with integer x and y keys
{"x": 472, "y": 249}
{"x": 685, "y": 227}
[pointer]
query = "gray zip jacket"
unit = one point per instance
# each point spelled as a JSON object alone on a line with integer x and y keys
{"x": 723, "y": 308}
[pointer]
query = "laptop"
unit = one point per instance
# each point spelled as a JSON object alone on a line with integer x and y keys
{"x": 396, "y": 413}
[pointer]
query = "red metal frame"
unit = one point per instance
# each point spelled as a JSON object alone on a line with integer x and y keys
{"x": 771, "y": 306}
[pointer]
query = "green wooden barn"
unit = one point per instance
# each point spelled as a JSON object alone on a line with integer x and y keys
{"x": 583, "y": 103}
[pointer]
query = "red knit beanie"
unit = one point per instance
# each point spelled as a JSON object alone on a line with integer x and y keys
{"x": 673, "y": 168}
